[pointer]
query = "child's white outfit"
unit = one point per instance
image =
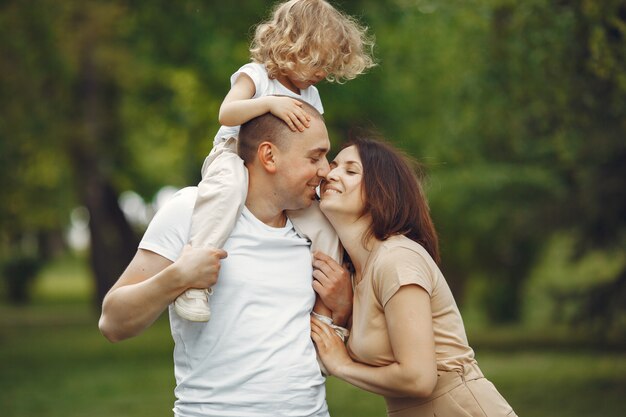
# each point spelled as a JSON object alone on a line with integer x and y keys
{"x": 223, "y": 190}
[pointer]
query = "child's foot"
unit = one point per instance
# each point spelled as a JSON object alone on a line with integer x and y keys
{"x": 193, "y": 304}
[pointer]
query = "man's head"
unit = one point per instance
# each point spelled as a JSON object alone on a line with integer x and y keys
{"x": 268, "y": 128}
{"x": 283, "y": 165}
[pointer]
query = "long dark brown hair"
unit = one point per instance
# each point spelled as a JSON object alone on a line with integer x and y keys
{"x": 393, "y": 195}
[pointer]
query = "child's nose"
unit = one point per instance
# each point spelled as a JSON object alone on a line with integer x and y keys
{"x": 320, "y": 75}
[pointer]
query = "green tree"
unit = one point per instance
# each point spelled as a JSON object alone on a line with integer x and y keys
{"x": 64, "y": 95}
{"x": 103, "y": 97}
{"x": 517, "y": 109}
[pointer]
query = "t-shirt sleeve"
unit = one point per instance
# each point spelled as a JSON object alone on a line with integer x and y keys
{"x": 401, "y": 266}
{"x": 168, "y": 232}
{"x": 314, "y": 99}
{"x": 257, "y": 73}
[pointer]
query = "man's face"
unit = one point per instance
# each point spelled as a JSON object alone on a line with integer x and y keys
{"x": 302, "y": 165}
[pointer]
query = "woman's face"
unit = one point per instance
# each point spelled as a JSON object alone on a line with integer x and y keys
{"x": 341, "y": 191}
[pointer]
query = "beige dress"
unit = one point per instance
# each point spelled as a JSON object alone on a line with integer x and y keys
{"x": 461, "y": 389}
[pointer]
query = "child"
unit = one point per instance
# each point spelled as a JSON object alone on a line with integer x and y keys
{"x": 304, "y": 42}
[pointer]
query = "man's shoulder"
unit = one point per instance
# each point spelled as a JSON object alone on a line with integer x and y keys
{"x": 184, "y": 196}
{"x": 180, "y": 205}
{"x": 168, "y": 231}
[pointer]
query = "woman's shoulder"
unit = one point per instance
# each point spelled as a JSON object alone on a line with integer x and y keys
{"x": 400, "y": 261}
{"x": 400, "y": 245}
{"x": 401, "y": 253}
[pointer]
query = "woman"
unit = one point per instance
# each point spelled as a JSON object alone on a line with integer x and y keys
{"x": 407, "y": 339}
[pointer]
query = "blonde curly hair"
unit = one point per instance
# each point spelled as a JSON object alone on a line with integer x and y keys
{"x": 306, "y": 36}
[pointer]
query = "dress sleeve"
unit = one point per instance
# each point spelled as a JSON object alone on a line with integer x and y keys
{"x": 168, "y": 232}
{"x": 257, "y": 73}
{"x": 401, "y": 266}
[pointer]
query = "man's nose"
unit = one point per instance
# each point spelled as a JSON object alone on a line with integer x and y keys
{"x": 324, "y": 168}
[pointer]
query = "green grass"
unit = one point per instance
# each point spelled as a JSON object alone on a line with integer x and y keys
{"x": 56, "y": 368}
{"x": 56, "y": 363}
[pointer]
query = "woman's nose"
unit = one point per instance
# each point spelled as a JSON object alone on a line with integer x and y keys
{"x": 332, "y": 174}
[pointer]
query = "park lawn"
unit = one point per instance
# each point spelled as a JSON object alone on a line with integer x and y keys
{"x": 56, "y": 363}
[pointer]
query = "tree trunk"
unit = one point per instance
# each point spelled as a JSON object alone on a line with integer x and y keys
{"x": 92, "y": 150}
{"x": 113, "y": 242}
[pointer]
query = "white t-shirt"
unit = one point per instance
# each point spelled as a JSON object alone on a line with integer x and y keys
{"x": 266, "y": 87}
{"x": 255, "y": 356}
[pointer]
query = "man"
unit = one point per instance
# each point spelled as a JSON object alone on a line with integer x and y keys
{"x": 255, "y": 357}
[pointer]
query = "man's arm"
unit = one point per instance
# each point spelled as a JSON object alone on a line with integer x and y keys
{"x": 149, "y": 284}
{"x": 333, "y": 284}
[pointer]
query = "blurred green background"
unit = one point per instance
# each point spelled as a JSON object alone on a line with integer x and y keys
{"x": 517, "y": 110}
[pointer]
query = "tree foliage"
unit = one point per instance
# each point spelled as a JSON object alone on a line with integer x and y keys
{"x": 517, "y": 109}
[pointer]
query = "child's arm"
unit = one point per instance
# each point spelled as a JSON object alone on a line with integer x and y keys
{"x": 238, "y": 106}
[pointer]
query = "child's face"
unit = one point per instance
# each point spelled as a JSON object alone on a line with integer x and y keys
{"x": 311, "y": 77}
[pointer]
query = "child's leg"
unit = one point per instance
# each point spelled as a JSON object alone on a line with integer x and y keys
{"x": 311, "y": 223}
{"x": 221, "y": 196}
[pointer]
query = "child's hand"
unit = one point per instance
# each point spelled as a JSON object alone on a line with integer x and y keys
{"x": 290, "y": 111}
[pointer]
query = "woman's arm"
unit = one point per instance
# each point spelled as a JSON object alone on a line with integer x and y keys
{"x": 409, "y": 322}
{"x": 239, "y": 107}
{"x": 149, "y": 284}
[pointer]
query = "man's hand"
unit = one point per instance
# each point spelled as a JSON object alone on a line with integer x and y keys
{"x": 290, "y": 111}
{"x": 333, "y": 284}
{"x": 199, "y": 267}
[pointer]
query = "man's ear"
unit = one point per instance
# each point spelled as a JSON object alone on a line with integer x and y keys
{"x": 266, "y": 154}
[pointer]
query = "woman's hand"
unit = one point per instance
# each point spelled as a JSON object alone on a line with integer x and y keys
{"x": 332, "y": 283}
{"x": 331, "y": 349}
